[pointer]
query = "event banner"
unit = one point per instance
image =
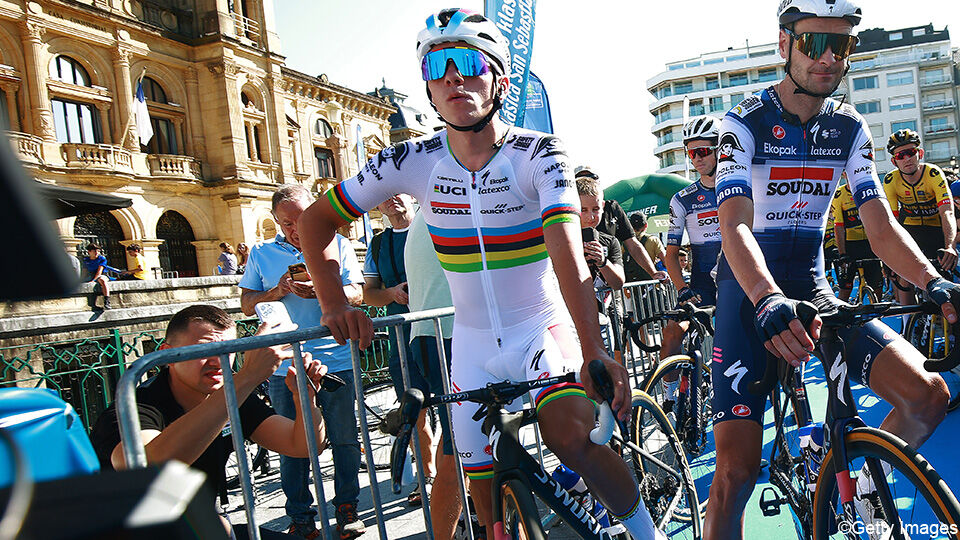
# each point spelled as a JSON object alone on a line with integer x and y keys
{"x": 536, "y": 115}
{"x": 515, "y": 19}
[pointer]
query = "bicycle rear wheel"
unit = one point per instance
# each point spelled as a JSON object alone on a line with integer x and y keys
{"x": 666, "y": 483}
{"x": 923, "y": 502}
{"x": 695, "y": 429}
{"x": 379, "y": 398}
{"x": 520, "y": 519}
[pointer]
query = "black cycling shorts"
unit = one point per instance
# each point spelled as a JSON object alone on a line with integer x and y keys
{"x": 739, "y": 356}
{"x": 928, "y": 237}
{"x": 860, "y": 249}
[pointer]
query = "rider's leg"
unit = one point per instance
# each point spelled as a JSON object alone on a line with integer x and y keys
{"x": 739, "y": 444}
{"x": 565, "y": 424}
{"x": 672, "y": 342}
{"x": 919, "y": 398}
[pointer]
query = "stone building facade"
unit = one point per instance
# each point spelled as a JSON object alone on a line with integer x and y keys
{"x": 231, "y": 120}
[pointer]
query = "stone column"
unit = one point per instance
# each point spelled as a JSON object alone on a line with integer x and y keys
{"x": 196, "y": 146}
{"x": 234, "y": 144}
{"x": 41, "y": 121}
{"x": 207, "y": 253}
{"x": 13, "y": 110}
{"x": 252, "y": 154}
{"x": 150, "y": 247}
{"x": 104, "y": 110}
{"x": 126, "y": 132}
{"x": 178, "y": 133}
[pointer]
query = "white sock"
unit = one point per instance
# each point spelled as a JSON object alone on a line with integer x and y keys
{"x": 865, "y": 483}
{"x": 639, "y": 523}
{"x": 671, "y": 389}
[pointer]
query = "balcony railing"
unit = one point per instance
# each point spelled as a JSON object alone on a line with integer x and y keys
{"x": 939, "y": 129}
{"x": 933, "y": 81}
{"x": 172, "y": 166}
{"x": 937, "y": 104}
{"x": 29, "y": 148}
{"x": 106, "y": 157}
{"x": 245, "y": 27}
{"x": 859, "y": 65}
{"x": 939, "y": 155}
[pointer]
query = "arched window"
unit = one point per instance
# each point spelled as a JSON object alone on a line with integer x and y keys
{"x": 153, "y": 91}
{"x": 323, "y": 128}
{"x": 177, "y": 252}
{"x": 104, "y": 230}
{"x": 66, "y": 69}
{"x": 254, "y": 122}
{"x": 164, "y": 140}
{"x": 74, "y": 121}
{"x": 245, "y": 99}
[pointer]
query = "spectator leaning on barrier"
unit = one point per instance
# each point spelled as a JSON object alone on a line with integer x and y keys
{"x": 385, "y": 284}
{"x": 267, "y": 279}
{"x": 139, "y": 271}
{"x": 614, "y": 222}
{"x": 428, "y": 289}
{"x": 183, "y": 412}
{"x": 242, "y": 253}
{"x": 96, "y": 266}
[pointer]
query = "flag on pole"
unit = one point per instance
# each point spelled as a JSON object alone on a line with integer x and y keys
{"x": 536, "y": 115}
{"x": 361, "y": 152}
{"x": 516, "y": 21}
{"x": 142, "y": 115}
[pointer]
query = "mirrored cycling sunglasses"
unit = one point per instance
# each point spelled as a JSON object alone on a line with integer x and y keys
{"x": 906, "y": 153}
{"x": 814, "y": 44}
{"x": 702, "y": 151}
{"x": 469, "y": 62}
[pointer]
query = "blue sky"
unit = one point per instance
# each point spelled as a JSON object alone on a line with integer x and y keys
{"x": 594, "y": 60}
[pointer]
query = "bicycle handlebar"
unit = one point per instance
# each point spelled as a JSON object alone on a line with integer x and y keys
{"x": 496, "y": 394}
{"x": 686, "y": 312}
{"x": 768, "y": 378}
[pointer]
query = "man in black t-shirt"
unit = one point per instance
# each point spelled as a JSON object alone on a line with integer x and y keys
{"x": 183, "y": 412}
{"x": 613, "y": 221}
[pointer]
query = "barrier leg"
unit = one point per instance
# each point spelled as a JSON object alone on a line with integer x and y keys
{"x": 313, "y": 446}
{"x": 404, "y": 368}
{"x": 444, "y": 372}
{"x": 365, "y": 436}
{"x": 236, "y": 433}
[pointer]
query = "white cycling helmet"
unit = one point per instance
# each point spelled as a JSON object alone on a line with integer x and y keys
{"x": 456, "y": 24}
{"x": 705, "y": 128}
{"x": 791, "y": 11}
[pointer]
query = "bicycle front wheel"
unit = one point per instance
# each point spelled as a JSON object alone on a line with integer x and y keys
{"x": 666, "y": 483}
{"x": 520, "y": 519}
{"x": 922, "y": 503}
{"x": 693, "y": 425}
{"x": 379, "y": 399}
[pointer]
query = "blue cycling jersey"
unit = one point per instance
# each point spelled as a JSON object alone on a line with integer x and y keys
{"x": 695, "y": 209}
{"x": 790, "y": 171}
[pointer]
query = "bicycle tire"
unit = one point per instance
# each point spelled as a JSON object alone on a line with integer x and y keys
{"x": 701, "y": 464}
{"x": 379, "y": 398}
{"x": 907, "y": 466}
{"x": 519, "y": 516}
{"x": 673, "y": 503}
{"x": 257, "y": 458}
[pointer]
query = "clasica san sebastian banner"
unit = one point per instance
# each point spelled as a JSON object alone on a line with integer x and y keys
{"x": 515, "y": 18}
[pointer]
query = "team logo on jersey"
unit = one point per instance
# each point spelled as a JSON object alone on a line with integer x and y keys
{"x": 396, "y": 153}
{"x": 741, "y": 410}
{"x": 701, "y": 197}
{"x": 867, "y": 150}
{"x": 548, "y": 146}
{"x": 727, "y": 145}
{"x": 430, "y": 145}
{"x": 449, "y": 190}
{"x": 520, "y": 143}
{"x": 779, "y": 132}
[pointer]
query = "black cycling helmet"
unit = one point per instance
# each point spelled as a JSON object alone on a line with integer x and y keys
{"x": 902, "y": 137}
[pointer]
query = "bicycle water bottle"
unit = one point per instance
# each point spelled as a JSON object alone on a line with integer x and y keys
{"x": 574, "y": 484}
{"x": 811, "y": 439}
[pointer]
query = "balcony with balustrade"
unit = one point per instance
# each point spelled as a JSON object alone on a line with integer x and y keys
{"x": 173, "y": 166}
{"x": 939, "y": 130}
{"x": 938, "y": 154}
{"x": 97, "y": 157}
{"x": 28, "y": 148}
{"x": 937, "y": 104}
{"x": 938, "y": 79}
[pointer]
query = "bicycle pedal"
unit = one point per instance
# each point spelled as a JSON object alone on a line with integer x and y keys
{"x": 770, "y": 506}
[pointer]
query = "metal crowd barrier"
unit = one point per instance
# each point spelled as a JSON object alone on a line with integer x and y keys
{"x": 129, "y": 420}
{"x": 641, "y": 299}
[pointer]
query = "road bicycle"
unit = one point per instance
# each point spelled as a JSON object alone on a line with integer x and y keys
{"x": 865, "y": 293}
{"x": 690, "y": 406}
{"x": 818, "y": 478}
{"x": 518, "y": 477}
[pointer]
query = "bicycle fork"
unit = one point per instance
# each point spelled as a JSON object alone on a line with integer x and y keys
{"x": 512, "y": 462}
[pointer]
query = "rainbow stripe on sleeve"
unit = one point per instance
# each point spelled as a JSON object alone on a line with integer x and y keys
{"x": 559, "y": 213}
{"x": 343, "y": 204}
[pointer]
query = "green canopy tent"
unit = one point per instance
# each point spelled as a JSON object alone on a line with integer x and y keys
{"x": 650, "y": 194}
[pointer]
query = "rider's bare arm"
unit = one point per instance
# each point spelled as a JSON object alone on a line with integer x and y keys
{"x": 672, "y": 262}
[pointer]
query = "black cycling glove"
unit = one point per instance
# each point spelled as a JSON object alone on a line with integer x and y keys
{"x": 773, "y": 315}
{"x": 941, "y": 291}
{"x": 685, "y": 294}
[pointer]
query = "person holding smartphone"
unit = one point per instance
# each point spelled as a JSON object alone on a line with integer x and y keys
{"x": 275, "y": 272}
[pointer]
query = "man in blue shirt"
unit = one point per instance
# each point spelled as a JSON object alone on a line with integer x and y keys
{"x": 96, "y": 267}
{"x": 267, "y": 279}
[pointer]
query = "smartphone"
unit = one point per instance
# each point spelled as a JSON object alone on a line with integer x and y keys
{"x": 331, "y": 382}
{"x": 298, "y": 272}
{"x": 589, "y": 234}
{"x": 275, "y": 315}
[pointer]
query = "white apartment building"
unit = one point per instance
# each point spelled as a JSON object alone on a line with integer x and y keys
{"x": 905, "y": 78}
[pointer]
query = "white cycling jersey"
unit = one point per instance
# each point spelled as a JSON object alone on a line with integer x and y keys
{"x": 487, "y": 225}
